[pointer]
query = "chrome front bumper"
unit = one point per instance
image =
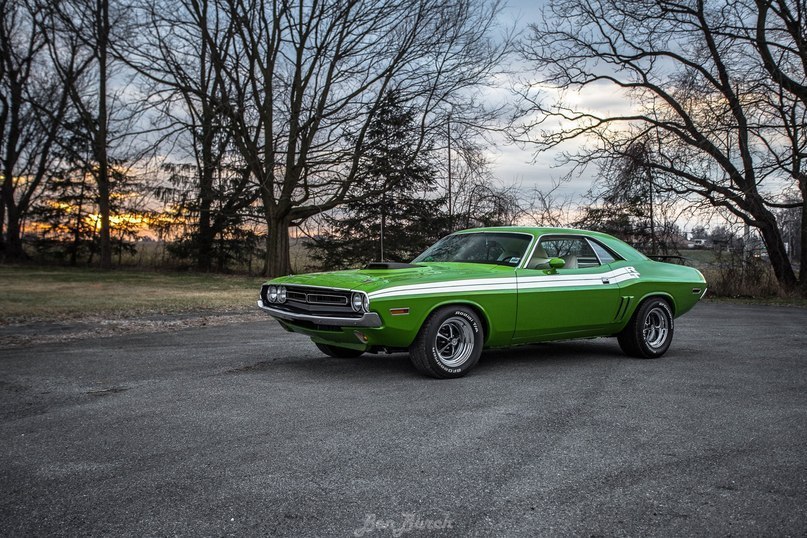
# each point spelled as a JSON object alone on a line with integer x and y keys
{"x": 369, "y": 319}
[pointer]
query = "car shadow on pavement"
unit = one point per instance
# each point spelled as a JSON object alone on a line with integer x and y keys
{"x": 544, "y": 354}
{"x": 370, "y": 365}
{"x": 317, "y": 365}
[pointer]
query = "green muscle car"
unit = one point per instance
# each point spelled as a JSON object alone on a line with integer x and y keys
{"x": 485, "y": 288}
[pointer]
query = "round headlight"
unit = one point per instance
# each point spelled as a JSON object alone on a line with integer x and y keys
{"x": 272, "y": 294}
{"x": 357, "y": 302}
{"x": 281, "y": 294}
{"x": 366, "y": 303}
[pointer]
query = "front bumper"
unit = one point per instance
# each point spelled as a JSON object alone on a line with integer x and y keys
{"x": 369, "y": 319}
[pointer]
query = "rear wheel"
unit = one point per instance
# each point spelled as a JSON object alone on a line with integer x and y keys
{"x": 650, "y": 330}
{"x": 449, "y": 343}
{"x": 339, "y": 352}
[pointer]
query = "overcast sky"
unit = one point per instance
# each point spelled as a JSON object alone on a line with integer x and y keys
{"x": 512, "y": 164}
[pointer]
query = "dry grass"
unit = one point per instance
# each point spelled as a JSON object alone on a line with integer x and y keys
{"x": 30, "y": 293}
{"x": 152, "y": 255}
{"x": 731, "y": 278}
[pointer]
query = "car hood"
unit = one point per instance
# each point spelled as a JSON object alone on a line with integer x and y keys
{"x": 370, "y": 280}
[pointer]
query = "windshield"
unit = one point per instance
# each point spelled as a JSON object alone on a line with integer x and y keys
{"x": 479, "y": 247}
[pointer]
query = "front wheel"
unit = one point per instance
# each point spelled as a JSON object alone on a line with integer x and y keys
{"x": 449, "y": 343}
{"x": 339, "y": 352}
{"x": 650, "y": 330}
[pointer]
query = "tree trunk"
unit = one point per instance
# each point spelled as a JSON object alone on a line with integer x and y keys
{"x": 777, "y": 253}
{"x": 204, "y": 238}
{"x": 278, "y": 261}
{"x": 101, "y": 156}
{"x": 92, "y": 243}
{"x": 13, "y": 239}
{"x": 803, "y": 243}
{"x": 11, "y": 134}
{"x": 104, "y": 237}
{"x": 13, "y": 245}
{"x": 77, "y": 232}
{"x": 221, "y": 253}
{"x": 265, "y": 269}
{"x": 206, "y": 235}
{"x": 2, "y": 227}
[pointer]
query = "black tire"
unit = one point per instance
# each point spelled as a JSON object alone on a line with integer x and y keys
{"x": 459, "y": 330}
{"x": 339, "y": 352}
{"x": 650, "y": 330}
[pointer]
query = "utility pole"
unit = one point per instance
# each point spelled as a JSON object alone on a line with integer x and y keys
{"x": 653, "y": 245}
{"x": 384, "y": 191}
{"x": 450, "y": 203}
{"x": 383, "y": 218}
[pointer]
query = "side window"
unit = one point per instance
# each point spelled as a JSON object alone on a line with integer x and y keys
{"x": 605, "y": 255}
{"x": 575, "y": 251}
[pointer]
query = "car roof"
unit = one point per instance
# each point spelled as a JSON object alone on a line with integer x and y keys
{"x": 622, "y": 248}
{"x": 535, "y": 230}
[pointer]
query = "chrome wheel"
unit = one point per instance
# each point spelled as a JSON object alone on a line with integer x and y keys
{"x": 656, "y": 327}
{"x": 449, "y": 343}
{"x": 454, "y": 342}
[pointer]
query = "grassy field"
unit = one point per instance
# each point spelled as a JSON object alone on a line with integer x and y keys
{"x": 152, "y": 255}
{"x": 56, "y": 293}
{"x": 699, "y": 258}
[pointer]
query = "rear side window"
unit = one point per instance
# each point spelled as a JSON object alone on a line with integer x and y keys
{"x": 605, "y": 255}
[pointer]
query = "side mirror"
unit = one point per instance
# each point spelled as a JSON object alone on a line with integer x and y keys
{"x": 556, "y": 263}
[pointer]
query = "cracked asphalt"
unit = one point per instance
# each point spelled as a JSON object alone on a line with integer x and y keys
{"x": 244, "y": 429}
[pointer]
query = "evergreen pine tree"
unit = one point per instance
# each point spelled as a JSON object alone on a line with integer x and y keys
{"x": 394, "y": 210}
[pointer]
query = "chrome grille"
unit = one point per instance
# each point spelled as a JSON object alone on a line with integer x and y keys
{"x": 316, "y": 301}
{"x": 292, "y": 295}
{"x": 317, "y": 298}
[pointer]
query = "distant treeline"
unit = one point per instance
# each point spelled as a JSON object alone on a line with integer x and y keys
{"x": 219, "y": 125}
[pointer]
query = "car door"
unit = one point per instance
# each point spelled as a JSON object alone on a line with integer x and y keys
{"x": 576, "y": 300}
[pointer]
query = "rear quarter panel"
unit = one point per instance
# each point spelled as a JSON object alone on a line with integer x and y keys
{"x": 681, "y": 286}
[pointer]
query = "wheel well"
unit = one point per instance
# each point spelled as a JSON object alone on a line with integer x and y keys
{"x": 473, "y": 306}
{"x": 667, "y": 298}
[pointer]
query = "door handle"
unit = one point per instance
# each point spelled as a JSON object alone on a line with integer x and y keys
{"x": 606, "y": 280}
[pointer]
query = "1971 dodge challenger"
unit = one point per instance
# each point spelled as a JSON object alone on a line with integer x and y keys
{"x": 485, "y": 288}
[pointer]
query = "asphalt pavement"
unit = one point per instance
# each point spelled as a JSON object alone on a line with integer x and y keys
{"x": 244, "y": 429}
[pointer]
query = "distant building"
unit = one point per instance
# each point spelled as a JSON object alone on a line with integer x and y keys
{"x": 699, "y": 242}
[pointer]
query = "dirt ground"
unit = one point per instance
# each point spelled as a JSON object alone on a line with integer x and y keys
{"x": 44, "y": 332}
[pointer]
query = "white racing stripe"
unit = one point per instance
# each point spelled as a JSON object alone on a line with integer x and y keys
{"x": 510, "y": 283}
{"x": 393, "y": 292}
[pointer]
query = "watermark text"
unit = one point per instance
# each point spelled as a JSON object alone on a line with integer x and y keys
{"x": 407, "y": 522}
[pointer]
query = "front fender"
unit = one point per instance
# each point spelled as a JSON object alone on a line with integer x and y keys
{"x": 496, "y": 310}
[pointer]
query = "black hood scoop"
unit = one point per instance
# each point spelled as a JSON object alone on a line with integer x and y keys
{"x": 390, "y": 265}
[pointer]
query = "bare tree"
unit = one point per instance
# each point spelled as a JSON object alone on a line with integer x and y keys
{"x": 625, "y": 201}
{"x": 785, "y": 55}
{"x": 546, "y": 207}
{"x": 85, "y": 28}
{"x": 33, "y": 107}
{"x": 477, "y": 198}
{"x": 172, "y": 52}
{"x": 723, "y": 119}
{"x": 300, "y": 82}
